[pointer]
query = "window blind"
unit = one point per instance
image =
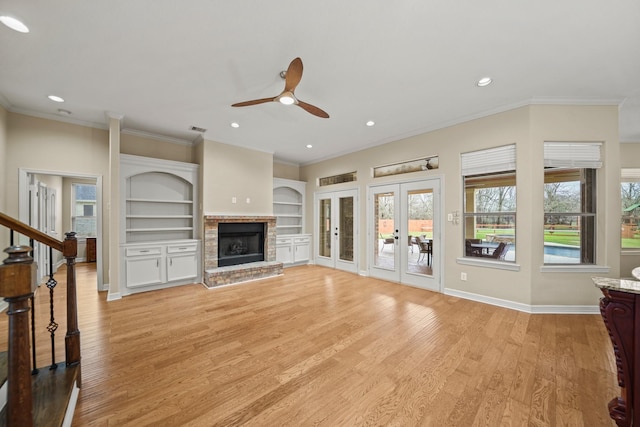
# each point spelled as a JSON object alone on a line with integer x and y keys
{"x": 572, "y": 155}
{"x": 498, "y": 159}
{"x": 630, "y": 175}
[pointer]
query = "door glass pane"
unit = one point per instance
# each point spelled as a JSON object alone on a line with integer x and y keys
{"x": 324, "y": 233}
{"x": 384, "y": 226}
{"x": 346, "y": 228}
{"x": 420, "y": 231}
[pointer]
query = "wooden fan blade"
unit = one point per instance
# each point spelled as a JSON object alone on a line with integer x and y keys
{"x": 293, "y": 76}
{"x": 313, "y": 110}
{"x": 253, "y": 102}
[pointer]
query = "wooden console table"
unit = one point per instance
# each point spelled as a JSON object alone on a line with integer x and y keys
{"x": 620, "y": 309}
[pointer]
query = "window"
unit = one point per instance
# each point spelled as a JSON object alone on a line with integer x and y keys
{"x": 570, "y": 202}
{"x": 489, "y": 178}
{"x": 630, "y": 197}
{"x": 83, "y": 219}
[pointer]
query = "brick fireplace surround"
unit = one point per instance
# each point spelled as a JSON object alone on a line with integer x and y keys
{"x": 218, "y": 276}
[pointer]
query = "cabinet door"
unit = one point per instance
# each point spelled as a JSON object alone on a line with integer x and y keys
{"x": 183, "y": 266}
{"x": 301, "y": 252}
{"x": 283, "y": 254}
{"x": 143, "y": 271}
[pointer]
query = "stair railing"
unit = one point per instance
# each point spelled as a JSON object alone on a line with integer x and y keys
{"x": 18, "y": 283}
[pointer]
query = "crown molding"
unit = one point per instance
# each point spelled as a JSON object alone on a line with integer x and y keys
{"x": 58, "y": 118}
{"x": 157, "y": 137}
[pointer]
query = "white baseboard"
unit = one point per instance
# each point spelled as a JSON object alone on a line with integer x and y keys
{"x": 3, "y": 306}
{"x": 3, "y": 395}
{"x": 113, "y": 296}
{"x": 71, "y": 406}
{"x": 526, "y": 308}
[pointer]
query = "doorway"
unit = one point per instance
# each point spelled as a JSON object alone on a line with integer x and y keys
{"x": 335, "y": 220}
{"x": 405, "y": 241}
{"x": 43, "y": 201}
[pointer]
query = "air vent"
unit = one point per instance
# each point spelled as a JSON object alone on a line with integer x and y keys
{"x": 197, "y": 129}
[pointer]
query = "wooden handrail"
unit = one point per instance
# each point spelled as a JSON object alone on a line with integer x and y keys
{"x": 17, "y": 285}
{"x": 30, "y": 232}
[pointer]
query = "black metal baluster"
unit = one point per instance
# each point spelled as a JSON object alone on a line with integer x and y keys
{"x": 34, "y": 371}
{"x": 53, "y": 326}
{"x": 11, "y": 237}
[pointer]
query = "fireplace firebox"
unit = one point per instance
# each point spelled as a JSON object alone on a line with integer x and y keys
{"x": 240, "y": 243}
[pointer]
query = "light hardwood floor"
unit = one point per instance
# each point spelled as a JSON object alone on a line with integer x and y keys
{"x": 323, "y": 347}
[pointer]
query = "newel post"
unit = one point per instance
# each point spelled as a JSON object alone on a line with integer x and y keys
{"x": 17, "y": 285}
{"x": 72, "y": 338}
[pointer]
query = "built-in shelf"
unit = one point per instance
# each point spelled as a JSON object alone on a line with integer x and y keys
{"x": 158, "y": 234}
{"x": 292, "y": 246}
{"x": 288, "y": 205}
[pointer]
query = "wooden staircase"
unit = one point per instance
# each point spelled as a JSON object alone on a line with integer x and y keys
{"x": 34, "y": 396}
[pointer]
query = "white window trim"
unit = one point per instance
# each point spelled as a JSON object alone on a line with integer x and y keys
{"x": 483, "y": 262}
{"x": 577, "y": 268}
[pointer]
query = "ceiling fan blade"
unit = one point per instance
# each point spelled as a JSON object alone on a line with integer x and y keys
{"x": 253, "y": 102}
{"x": 313, "y": 110}
{"x": 294, "y": 75}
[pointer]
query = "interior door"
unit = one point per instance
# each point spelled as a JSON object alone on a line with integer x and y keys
{"x": 405, "y": 242}
{"x": 336, "y": 226}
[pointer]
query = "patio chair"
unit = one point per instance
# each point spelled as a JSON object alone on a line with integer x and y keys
{"x": 470, "y": 251}
{"x": 412, "y": 241}
{"x": 426, "y": 250}
{"x": 387, "y": 241}
{"x": 499, "y": 252}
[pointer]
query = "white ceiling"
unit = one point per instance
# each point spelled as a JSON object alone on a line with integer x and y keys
{"x": 411, "y": 66}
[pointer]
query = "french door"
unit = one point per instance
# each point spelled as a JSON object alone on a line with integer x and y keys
{"x": 405, "y": 243}
{"x": 336, "y": 224}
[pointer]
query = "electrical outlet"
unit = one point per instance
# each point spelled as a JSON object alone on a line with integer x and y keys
{"x": 450, "y": 217}
{"x": 233, "y": 199}
{"x": 463, "y": 276}
{"x": 248, "y": 200}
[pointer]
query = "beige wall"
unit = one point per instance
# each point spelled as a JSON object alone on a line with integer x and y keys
{"x": 629, "y": 158}
{"x": 4, "y": 233}
{"x": 56, "y": 148}
{"x": 286, "y": 171}
{"x": 156, "y": 148}
{"x": 561, "y": 123}
{"x": 528, "y": 128}
{"x": 229, "y": 171}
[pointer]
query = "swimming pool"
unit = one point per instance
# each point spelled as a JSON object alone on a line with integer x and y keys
{"x": 563, "y": 251}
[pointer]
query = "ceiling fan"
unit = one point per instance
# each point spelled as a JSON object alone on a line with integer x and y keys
{"x": 292, "y": 77}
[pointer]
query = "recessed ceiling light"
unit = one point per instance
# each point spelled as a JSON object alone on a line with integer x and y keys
{"x": 309, "y": 146}
{"x": 14, "y": 24}
{"x": 235, "y": 125}
{"x": 55, "y": 98}
{"x": 485, "y": 81}
{"x": 371, "y": 123}
{"x": 64, "y": 112}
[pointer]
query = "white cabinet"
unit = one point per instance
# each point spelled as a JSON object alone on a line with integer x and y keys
{"x": 284, "y": 250}
{"x": 142, "y": 266}
{"x": 159, "y": 225}
{"x": 182, "y": 262}
{"x": 301, "y": 248}
{"x": 293, "y": 249}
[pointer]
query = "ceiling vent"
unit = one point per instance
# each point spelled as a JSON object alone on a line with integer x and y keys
{"x": 197, "y": 129}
